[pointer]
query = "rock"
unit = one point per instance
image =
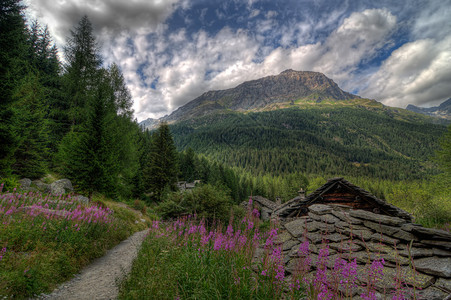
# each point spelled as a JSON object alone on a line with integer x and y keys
{"x": 416, "y": 252}
{"x": 432, "y": 233}
{"x": 329, "y": 219}
{"x": 282, "y": 238}
{"x": 440, "y": 243}
{"x": 61, "y": 186}
{"x": 404, "y": 235}
{"x": 434, "y": 266}
{"x": 345, "y": 247}
{"x": 288, "y": 245}
{"x": 315, "y": 238}
{"x": 358, "y": 233}
{"x": 41, "y": 186}
{"x": 296, "y": 227}
{"x": 336, "y": 237}
{"x": 377, "y": 237}
{"x": 443, "y": 284}
{"x": 81, "y": 199}
{"x": 388, "y": 230}
{"x": 320, "y": 209}
{"x": 379, "y": 248}
{"x": 432, "y": 293}
{"x": 25, "y": 183}
{"x": 345, "y": 217}
{"x": 387, "y": 220}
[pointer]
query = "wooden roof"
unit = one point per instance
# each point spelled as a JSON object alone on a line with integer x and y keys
{"x": 385, "y": 207}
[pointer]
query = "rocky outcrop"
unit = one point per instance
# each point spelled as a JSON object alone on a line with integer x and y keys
{"x": 61, "y": 186}
{"x": 416, "y": 256}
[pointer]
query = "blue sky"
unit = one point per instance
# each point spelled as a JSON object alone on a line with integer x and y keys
{"x": 171, "y": 51}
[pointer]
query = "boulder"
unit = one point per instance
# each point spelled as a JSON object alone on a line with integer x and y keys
{"x": 25, "y": 183}
{"x": 81, "y": 199}
{"x": 61, "y": 186}
{"x": 41, "y": 186}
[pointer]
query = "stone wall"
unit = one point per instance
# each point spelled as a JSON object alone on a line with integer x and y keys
{"x": 418, "y": 256}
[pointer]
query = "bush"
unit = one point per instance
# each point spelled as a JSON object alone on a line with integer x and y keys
{"x": 206, "y": 201}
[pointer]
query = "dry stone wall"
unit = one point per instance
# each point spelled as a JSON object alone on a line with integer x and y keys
{"x": 417, "y": 256}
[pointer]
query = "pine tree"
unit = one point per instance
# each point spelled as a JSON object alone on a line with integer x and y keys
{"x": 161, "y": 172}
{"x": 31, "y": 128}
{"x": 13, "y": 67}
{"x": 82, "y": 63}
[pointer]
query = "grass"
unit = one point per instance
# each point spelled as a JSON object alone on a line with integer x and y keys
{"x": 46, "y": 239}
{"x": 184, "y": 260}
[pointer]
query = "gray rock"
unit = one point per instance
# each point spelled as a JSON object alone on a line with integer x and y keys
{"x": 296, "y": 227}
{"x": 416, "y": 252}
{"x": 288, "y": 245}
{"x": 41, "y": 186}
{"x": 380, "y": 228}
{"x": 444, "y": 284}
{"x": 345, "y": 217}
{"x": 345, "y": 247}
{"x": 320, "y": 209}
{"x": 282, "y": 238}
{"x": 432, "y": 293}
{"x": 431, "y": 233}
{"x": 81, "y": 199}
{"x": 61, "y": 186}
{"x": 405, "y": 236}
{"x": 387, "y": 220}
{"x": 25, "y": 183}
{"x": 358, "y": 233}
{"x": 315, "y": 238}
{"x": 434, "y": 266}
{"x": 377, "y": 237}
{"x": 439, "y": 243}
{"x": 335, "y": 237}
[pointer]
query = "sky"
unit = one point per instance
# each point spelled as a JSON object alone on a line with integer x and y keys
{"x": 172, "y": 51}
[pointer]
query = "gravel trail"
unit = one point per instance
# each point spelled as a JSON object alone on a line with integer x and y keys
{"x": 99, "y": 279}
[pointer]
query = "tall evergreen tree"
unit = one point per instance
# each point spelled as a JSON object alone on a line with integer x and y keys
{"x": 162, "y": 169}
{"x": 13, "y": 67}
{"x": 82, "y": 63}
{"x": 31, "y": 128}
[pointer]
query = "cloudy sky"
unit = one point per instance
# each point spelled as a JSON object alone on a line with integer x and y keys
{"x": 171, "y": 51}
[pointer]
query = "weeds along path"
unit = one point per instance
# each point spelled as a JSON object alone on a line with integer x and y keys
{"x": 99, "y": 279}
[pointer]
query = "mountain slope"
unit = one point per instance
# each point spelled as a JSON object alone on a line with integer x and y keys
{"x": 303, "y": 122}
{"x": 348, "y": 141}
{"x": 286, "y": 88}
{"x": 442, "y": 111}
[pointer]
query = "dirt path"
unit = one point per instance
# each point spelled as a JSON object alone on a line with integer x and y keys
{"x": 99, "y": 279}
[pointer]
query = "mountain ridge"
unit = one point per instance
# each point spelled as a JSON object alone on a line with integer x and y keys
{"x": 442, "y": 111}
{"x": 285, "y": 88}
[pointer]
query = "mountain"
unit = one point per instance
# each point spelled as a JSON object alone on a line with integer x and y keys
{"x": 270, "y": 92}
{"x": 442, "y": 111}
{"x": 303, "y": 122}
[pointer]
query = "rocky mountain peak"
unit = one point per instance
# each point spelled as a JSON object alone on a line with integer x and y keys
{"x": 287, "y": 87}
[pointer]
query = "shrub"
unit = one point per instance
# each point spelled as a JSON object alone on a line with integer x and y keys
{"x": 205, "y": 201}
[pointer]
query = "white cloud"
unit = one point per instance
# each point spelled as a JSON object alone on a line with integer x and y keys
{"x": 416, "y": 73}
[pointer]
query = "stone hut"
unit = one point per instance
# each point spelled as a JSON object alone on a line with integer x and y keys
{"x": 355, "y": 225}
{"x": 265, "y": 206}
{"x": 342, "y": 192}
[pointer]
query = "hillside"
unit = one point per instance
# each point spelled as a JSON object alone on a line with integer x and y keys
{"x": 353, "y": 141}
{"x": 442, "y": 111}
{"x": 303, "y": 122}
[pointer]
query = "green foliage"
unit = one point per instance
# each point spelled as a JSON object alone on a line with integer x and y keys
{"x": 160, "y": 172}
{"x": 31, "y": 128}
{"x": 40, "y": 249}
{"x": 330, "y": 141}
{"x": 444, "y": 154}
{"x": 205, "y": 201}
